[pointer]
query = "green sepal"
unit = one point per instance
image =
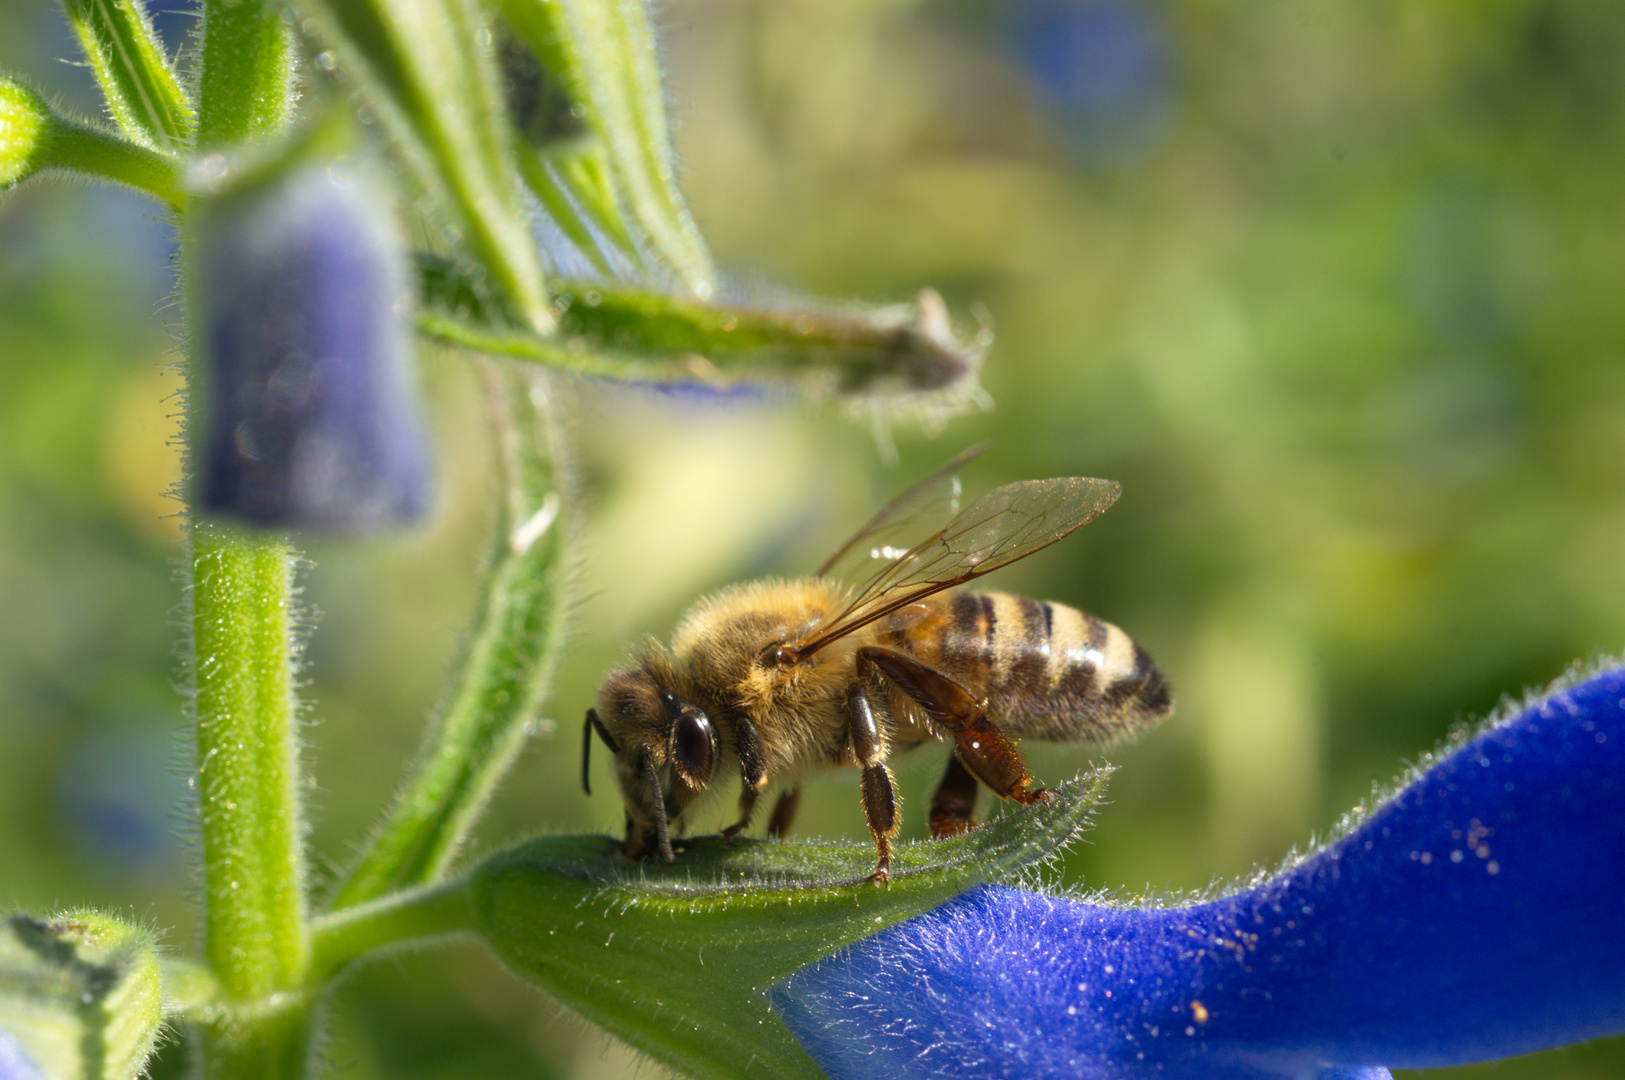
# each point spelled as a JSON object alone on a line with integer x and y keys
{"x": 574, "y": 184}
{"x": 602, "y": 53}
{"x": 80, "y": 993}
{"x": 623, "y": 332}
{"x": 142, "y": 92}
{"x": 675, "y": 959}
{"x": 25, "y": 132}
{"x": 33, "y": 139}
{"x": 425, "y": 69}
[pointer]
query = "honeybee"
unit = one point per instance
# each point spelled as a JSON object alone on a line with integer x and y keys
{"x": 780, "y": 679}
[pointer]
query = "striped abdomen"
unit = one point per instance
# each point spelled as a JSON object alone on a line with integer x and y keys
{"x": 1048, "y": 671}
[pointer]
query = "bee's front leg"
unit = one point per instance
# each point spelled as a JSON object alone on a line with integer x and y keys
{"x": 879, "y": 793}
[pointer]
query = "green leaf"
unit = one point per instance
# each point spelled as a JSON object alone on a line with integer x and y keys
{"x": 34, "y": 139}
{"x": 623, "y": 332}
{"x": 80, "y": 993}
{"x": 425, "y": 69}
{"x": 143, "y": 95}
{"x": 507, "y": 672}
{"x": 675, "y": 959}
{"x": 602, "y": 52}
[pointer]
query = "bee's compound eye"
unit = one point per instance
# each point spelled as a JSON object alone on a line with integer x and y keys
{"x": 694, "y": 748}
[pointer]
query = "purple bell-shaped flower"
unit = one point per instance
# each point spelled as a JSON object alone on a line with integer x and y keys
{"x": 310, "y": 419}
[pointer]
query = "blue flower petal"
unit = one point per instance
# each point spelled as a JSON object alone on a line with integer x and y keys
{"x": 1478, "y": 913}
{"x": 311, "y": 421}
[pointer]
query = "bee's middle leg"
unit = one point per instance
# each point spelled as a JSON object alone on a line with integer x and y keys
{"x": 879, "y": 793}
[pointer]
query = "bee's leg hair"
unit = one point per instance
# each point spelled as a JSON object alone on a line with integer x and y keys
{"x": 752, "y": 776}
{"x": 879, "y": 793}
{"x": 784, "y": 814}
{"x": 978, "y": 742}
{"x": 953, "y": 807}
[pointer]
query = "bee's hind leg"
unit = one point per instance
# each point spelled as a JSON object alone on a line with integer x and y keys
{"x": 953, "y": 806}
{"x": 752, "y": 778}
{"x": 978, "y": 742}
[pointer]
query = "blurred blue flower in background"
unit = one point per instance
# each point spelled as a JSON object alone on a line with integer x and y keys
{"x": 312, "y": 421}
{"x": 1101, "y": 70}
{"x": 117, "y": 789}
{"x": 15, "y": 1064}
{"x": 1478, "y": 913}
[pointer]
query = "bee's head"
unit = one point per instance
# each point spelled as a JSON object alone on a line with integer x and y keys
{"x": 665, "y": 748}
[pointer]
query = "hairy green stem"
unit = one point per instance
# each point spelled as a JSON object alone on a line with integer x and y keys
{"x": 84, "y": 149}
{"x": 142, "y": 92}
{"x": 247, "y": 761}
{"x": 631, "y": 333}
{"x": 255, "y": 936}
{"x": 245, "y": 82}
{"x": 269, "y": 1042}
{"x": 414, "y": 916}
{"x": 508, "y": 666}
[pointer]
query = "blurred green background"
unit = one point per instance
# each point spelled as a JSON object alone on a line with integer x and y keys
{"x": 1333, "y": 288}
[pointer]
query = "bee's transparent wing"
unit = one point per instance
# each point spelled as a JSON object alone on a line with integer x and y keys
{"x": 1006, "y": 524}
{"x": 920, "y": 511}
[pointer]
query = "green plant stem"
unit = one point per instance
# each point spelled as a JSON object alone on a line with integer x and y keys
{"x": 508, "y": 666}
{"x": 638, "y": 335}
{"x": 247, "y": 762}
{"x": 245, "y": 82}
{"x": 84, "y": 149}
{"x": 271, "y": 1042}
{"x": 413, "y": 916}
{"x": 142, "y": 93}
{"x": 190, "y": 989}
{"x": 255, "y": 936}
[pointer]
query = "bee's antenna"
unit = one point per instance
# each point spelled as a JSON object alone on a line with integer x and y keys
{"x": 586, "y": 751}
{"x": 660, "y": 806}
{"x": 593, "y": 724}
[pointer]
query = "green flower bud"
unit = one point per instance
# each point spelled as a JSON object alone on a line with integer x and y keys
{"x": 79, "y": 995}
{"x": 25, "y": 129}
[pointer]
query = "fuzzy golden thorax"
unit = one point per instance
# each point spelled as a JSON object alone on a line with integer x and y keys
{"x": 723, "y": 650}
{"x": 720, "y": 663}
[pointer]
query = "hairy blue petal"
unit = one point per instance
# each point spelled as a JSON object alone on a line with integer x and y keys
{"x": 311, "y": 421}
{"x": 1478, "y": 913}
